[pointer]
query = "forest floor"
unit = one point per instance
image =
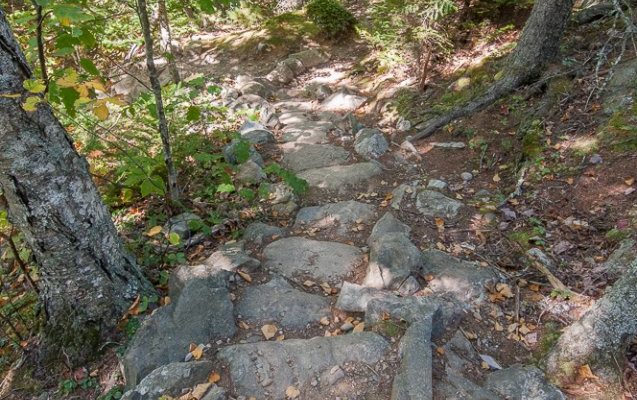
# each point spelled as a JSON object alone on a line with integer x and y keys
{"x": 551, "y": 168}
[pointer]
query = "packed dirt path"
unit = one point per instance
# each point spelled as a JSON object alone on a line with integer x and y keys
{"x": 353, "y": 298}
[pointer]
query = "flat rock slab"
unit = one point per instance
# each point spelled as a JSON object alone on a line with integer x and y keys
{"x": 414, "y": 378}
{"x": 266, "y": 369}
{"x": 344, "y": 215}
{"x": 435, "y": 204}
{"x": 277, "y": 301}
{"x": 308, "y": 132}
{"x": 341, "y": 101}
{"x": 354, "y": 298}
{"x": 309, "y": 156}
{"x": 339, "y": 177}
{"x": 523, "y": 383}
{"x": 324, "y": 261}
{"x": 464, "y": 280}
{"x": 259, "y": 233}
{"x": 170, "y": 379}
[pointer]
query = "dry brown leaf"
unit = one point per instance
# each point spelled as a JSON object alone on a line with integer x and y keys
{"x": 155, "y": 230}
{"x": 629, "y": 181}
{"x": 292, "y": 393}
{"x": 470, "y": 335}
{"x": 498, "y": 326}
{"x": 309, "y": 283}
{"x": 197, "y": 352}
{"x": 243, "y": 325}
{"x": 269, "y": 331}
{"x": 280, "y": 338}
{"x": 359, "y": 328}
{"x": 324, "y": 321}
{"x": 440, "y": 224}
{"x": 200, "y": 391}
{"x": 326, "y": 287}
{"x": 440, "y": 350}
{"x": 496, "y": 178}
{"x": 585, "y": 372}
{"x": 214, "y": 377}
{"x": 246, "y": 277}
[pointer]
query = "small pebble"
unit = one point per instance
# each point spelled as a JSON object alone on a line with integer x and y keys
{"x": 466, "y": 176}
{"x": 346, "y": 327}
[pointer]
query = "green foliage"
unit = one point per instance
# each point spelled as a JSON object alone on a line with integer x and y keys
{"x": 331, "y": 17}
{"x": 298, "y": 185}
{"x": 115, "y": 393}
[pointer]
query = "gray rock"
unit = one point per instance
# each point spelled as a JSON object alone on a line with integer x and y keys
{"x": 169, "y": 380}
{"x": 253, "y": 87}
{"x": 399, "y": 195}
{"x": 403, "y": 125}
{"x": 309, "y": 156}
{"x": 595, "y": 159}
{"x": 437, "y": 184}
{"x": 250, "y": 173}
{"x": 311, "y": 57}
{"x": 230, "y": 258}
{"x": 281, "y": 74}
{"x": 181, "y": 224}
{"x": 619, "y": 261}
{"x": 522, "y": 383}
{"x": 295, "y": 65}
{"x": 463, "y": 279}
{"x": 277, "y": 301}
{"x": 322, "y": 92}
{"x": 342, "y": 101}
{"x": 312, "y": 132}
{"x": 324, "y": 261}
{"x": 409, "y": 286}
{"x": 229, "y": 153}
{"x": 215, "y": 393}
{"x": 259, "y": 233}
{"x": 280, "y": 193}
{"x": 466, "y": 176}
{"x": 457, "y": 387}
{"x": 414, "y": 376}
{"x": 258, "y": 136}
{"x": 249, "y": 125}
{"x": 449, "y": 145}
{"x": 435, "y": 204}
{"x": 285, "y": 210}
{"x": 340, "y": 177}
{"x": 370, "y": 143}
{"x": 393, "y": 257}
{"x": 296, "y": 362}
{"x": 294, "y": 117}
{"x": 343, "y": 214}
{"x": 164, "y": 337}
{"x": 619, "y": 93}
{"x": 354, "y": 298}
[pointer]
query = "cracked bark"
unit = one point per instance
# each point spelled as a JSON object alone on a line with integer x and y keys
{"x": 88, "y": 279}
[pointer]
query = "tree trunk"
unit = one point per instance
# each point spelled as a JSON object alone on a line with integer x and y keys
{"x": 173, "y": 188}
{"x": 538, "y": 45}
{"x": 166, "y": 42}
{"x": 598, "y": 339}
{"x": 88, "y": 279}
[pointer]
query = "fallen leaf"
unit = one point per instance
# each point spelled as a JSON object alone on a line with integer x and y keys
{"x": 200, "y": 391}
{"x": 326, "y": 287}
{"x": 155, "y": 230}
{"x": 498, "y": 326}
{"x": 243, "y": 325}
{"x": 359, "y": 328}
{"x": 496, "y": 178}
{"x": 269, "y": 331}
{"x": 197, "y": 353}
{"x": 279, "y": 338}
{"x": 629, "y": 181}
{"x": 440, "y": 350}
{"x": 309, "y": 283}
{"x": 324, "y": 321}
{"x": 292, "y": 393}
{"x": 440, "y": 224}
{"x": 246, "y": 277}
{"x": 585, "y": 372}
{"x": 214, "y": 377}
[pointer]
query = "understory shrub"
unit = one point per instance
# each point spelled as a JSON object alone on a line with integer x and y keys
{"x": 331, "y": 17}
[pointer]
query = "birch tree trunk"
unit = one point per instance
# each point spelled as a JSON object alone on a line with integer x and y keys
{"x": 173, "y": 188}
{"x": 539, "y": 45}
{"x": 88, "y": 279}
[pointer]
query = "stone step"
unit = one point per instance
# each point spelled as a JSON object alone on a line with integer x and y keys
{"x": 266, "y": 370}
{"x": 335, "y": 218}
{"x": 301, "y": 157}
{"x": 341, "y": 177}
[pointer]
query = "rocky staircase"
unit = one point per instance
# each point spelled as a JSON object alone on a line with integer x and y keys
{"x": 342, "y": 304}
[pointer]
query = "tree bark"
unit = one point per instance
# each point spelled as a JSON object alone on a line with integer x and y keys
{"x": 166, "y": 42}
{"x": 538, "y": 45}
{"x": 88, "y": 279}
{"x": 173, "y": 188}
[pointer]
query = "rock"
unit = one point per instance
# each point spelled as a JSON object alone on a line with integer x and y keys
{"x": 343, "y": 214}
{"x": 253, "y": 87}
{"x": 619, "y": 261}
{"x": 619, "y": 93}
{"x": 309, "y": 156}
{"x": 285, "y": 210}
{"x": 181, "y": 224}
{"x": 295, "y": 65}
{"x": 399, "y": 194}
{"x": 593, "y": 12}
{"x": 346, "y": 327}
{"x": 322, "y": 92}
{"x": 435, "y": 204}
{"x": 249, "y": 125}
{"x": 409, "y": 286}
{"x": 342, "y": 101}
{"x": 323, "y": 261}
{"x": 250, "y": 173}
{"x": 370, "y": 143}
{"x": 466, "y": 176}
{"x": 229, "y": 258}
{"x": 277, "y": 301}
{"x": 463, "y": 279}
{"x": 437, "y": 184}
{"x": 414, "y": 379}
{"x": 258, "y": 136}
{"x": 295, "y": 362}
{"x": 259, "y": 233}
{"x": 461, "y": 84}
{"x": 595, "y": 159}
{"x": 312, "y": 132}
{"x": 281, "y": 74}
{"x": 403, "y": 125}
{"x": 393, "y": 257}
{"x": 354, "y": 298}
{"x": 448, "y": 145}
{"x": 280, "y": 193}
{"x": 311, "y": 58}
{"x": 215, "y": 393}
{"x": 169, "y": 380}
{"x": 340, "y": 177}
{"x": 230, "y": 153}
{"x": 165, "y": 335}
{"x": 522, "y": 383}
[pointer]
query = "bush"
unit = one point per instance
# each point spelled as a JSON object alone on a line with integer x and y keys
{"x": 331, "y": 17}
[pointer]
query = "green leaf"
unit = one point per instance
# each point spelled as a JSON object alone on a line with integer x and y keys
{"x": 69, "y": 96}
{"x": 34, "y": 85}
{"x": 206, "y": 6}
{"x": 174, "y": 238}
{"x": 43, "y": 3}
{"x": 242, "y": 151}
{"x": 247, "y": 194}
{"x": 68, "y": 13}
{"x": 225, "y": 188}
{"x": 152, "y": 185}
{"x": 89, "y": 67}
{"x": 193, "y": 114}
{"x": 31, "y": 103}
